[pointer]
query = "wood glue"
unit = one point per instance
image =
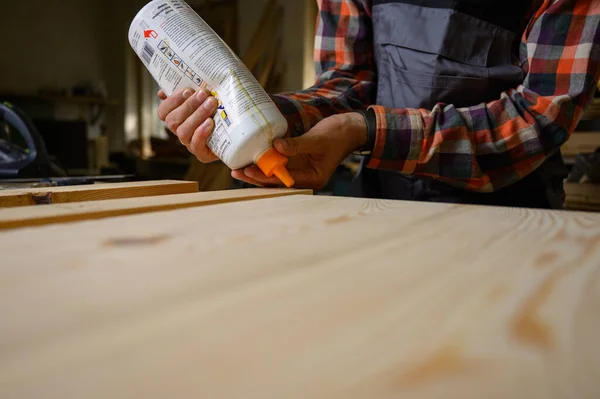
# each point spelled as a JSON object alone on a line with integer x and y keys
{"x": 180, "y": 50}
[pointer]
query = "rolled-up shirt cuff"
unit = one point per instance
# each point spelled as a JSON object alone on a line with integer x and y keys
{"x": 371, "y": 121}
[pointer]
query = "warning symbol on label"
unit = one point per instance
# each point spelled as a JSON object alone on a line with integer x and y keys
{"x": 223, "y": 114}
{"x": 190, "y": 73}
{"x": 198, "y": 80}
{"x": 150, "y": 34}
{"x": 183, "y": 66}
{"x": 170, "y": 54}
{"x": 164, "y": 47}
{"x": 176, "y": 60}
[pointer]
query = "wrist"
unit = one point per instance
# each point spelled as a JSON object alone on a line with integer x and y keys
{"x": 370, "y": 122}
{"x": 357, "y": 128}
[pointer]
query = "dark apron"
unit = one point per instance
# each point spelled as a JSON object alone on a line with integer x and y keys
{"x": 455, "y": 52}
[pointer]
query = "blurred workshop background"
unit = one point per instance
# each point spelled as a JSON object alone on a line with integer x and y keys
{"x": 68, "y": 66}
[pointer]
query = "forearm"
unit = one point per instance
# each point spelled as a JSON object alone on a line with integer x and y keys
{"x": 344, "y": 66}
{"x": 304, "y": 109}
{"x": 480, "y": 148}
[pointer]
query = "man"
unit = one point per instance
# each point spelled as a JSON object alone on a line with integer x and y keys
{"x": 463, "y": 101}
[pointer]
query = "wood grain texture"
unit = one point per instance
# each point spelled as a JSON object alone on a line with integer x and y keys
{"x": 582, "y": 196}
{"x": 581, "y": 142}
{"x": 91, "y": 192}
{"x": 304, "y": 297}
{"x": 19, "y": 217}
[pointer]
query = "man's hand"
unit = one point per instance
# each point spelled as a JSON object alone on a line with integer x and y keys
{"x": 314, "y": 156}
{"x": 188, "y": 114}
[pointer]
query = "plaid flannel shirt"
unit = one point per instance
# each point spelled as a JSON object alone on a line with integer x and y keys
{"x": 483, "y": 147}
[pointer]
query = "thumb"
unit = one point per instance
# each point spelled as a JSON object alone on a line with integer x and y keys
{"x": 289, "y": 147}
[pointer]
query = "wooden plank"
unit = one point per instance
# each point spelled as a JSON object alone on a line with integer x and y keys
{"x": 584, "y": 192}
{"x": 91, "y": 192}
{"x": 304, "y": 297}
{"x": 264, "y": 32}
{"x": 581, "y": 142}
{"x": 18, "y": 217}
{"x": 582, "y": 196}
{"x": 592, "y": 111}
{"x": 581, "y": 206}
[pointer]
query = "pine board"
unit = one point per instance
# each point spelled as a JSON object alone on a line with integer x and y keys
{"x": 19, "y": 217}
{"x": 91, "y": 192}
{"x": 581, "y": 142}
{"x": 582, "y": 196}
{"x": 304, "y": 297}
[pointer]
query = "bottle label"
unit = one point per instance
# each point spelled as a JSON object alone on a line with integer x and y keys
{"x": 180, "y": 50}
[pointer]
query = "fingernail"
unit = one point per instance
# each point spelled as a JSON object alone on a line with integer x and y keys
{"x": 282, "y": 143}
{"x": 206, "y": 123}
{"x": 210, "y": 103}
{"x": 187, "y": 93}
{"x": 202, "y": 94}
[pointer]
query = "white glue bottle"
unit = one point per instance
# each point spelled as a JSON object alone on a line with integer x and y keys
{"x": 181, "y": 51}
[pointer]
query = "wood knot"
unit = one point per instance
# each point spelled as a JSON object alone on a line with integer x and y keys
{"x": 135, "y": 241}
{"x": 42, "y": 198}
{"x": 338, "y": 220}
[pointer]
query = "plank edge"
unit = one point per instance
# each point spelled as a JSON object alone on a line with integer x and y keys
{"x": 86, "y": 215}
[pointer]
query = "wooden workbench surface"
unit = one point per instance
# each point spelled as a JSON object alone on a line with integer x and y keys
{"x": 304, "y": 297}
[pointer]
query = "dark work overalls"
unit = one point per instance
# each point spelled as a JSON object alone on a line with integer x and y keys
{"x": 460, "y": 52}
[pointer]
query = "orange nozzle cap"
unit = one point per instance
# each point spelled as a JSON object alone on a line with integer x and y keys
{"x": 273, "y": 163}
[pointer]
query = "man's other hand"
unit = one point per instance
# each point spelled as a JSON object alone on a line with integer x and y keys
{"x": 314, "y": 156}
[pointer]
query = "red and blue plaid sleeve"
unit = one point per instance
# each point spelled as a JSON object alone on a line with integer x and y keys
{"x": 487, "y": 147}
{"x": 344, "y": 65}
